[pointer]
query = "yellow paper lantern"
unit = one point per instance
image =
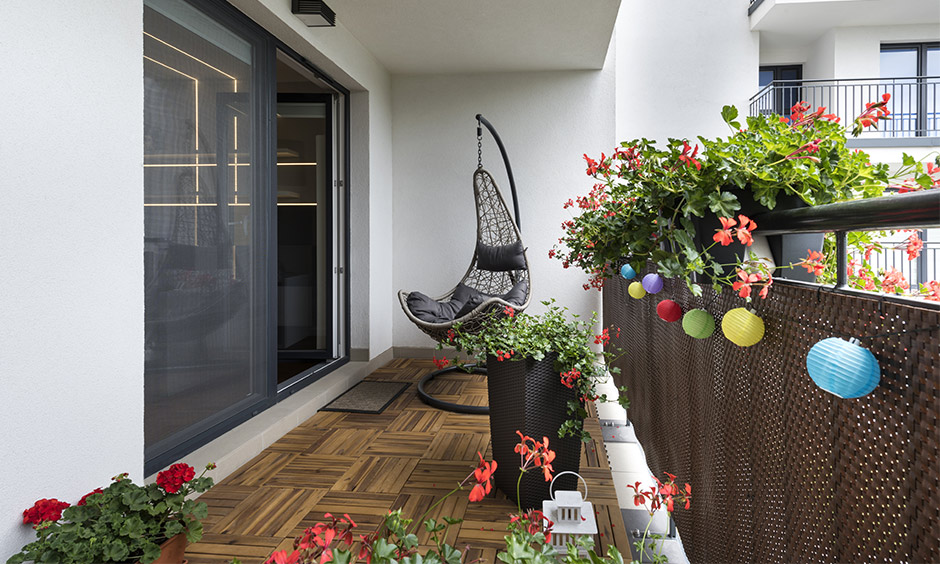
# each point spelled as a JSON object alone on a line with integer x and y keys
{"x": 636, "y": 290}
{"x": 742, "y": 327}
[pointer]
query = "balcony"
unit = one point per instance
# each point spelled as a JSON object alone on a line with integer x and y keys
{"x": 914, "y": 105}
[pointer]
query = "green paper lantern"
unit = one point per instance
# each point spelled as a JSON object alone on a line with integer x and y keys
{"x": 698, "y": 324}
{"x": 742, "y": 327}
{"x": 636, "y": 290}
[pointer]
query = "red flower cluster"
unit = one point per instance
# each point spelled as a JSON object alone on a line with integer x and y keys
{"x": 570, "y": 378}
{"x": 933, "y": 291}
{"x": 173, "y": 478}
{"x": 603, "y": 338}
{"x": 743, "y": 231}
{"x": 534, "y": 522}
{"x": 747, "y": 279}
{"x": 533, "y": 452}
{"x": 814, "y": 262}
{"x": 798, "y": 115}
{"x": 502, "y": 355}
{"x": 441, "y": 363}
{"x": 44, "y": 510}
{"x": 317, "y": 541}
{"x": 483, "y": 476}
{"x": 688, "y": 159}
{"x": 89, "y": 494}
{"x": 914, "y": 246}
{"x": 508, "y": 311}
{"x": 874, "y": 111}
{"x": 661, "y": 494}
{"x": 894, "y": 280}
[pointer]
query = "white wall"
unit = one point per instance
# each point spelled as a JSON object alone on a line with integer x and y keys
{"x": 343, "y": 57}
{"x": 71, "y": 248}
{"x": 547, "y": 120}
{"x": 678, "y": 63}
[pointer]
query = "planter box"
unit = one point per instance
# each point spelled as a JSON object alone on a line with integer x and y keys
{"x": 527, "y": 395}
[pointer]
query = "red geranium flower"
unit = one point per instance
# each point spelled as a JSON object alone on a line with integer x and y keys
{"x": 44, "y": 510}
{"x": 173, "y": 478}
{"x": 723, "y": 235}
{"x": 483, "y": 476}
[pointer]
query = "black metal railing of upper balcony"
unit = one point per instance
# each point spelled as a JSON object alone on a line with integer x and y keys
{"x": 914, "y": 103}
{"x": 753, "y": 6}
{"x": 912, "y": 211}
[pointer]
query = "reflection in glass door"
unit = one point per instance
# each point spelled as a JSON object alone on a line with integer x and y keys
{"x": 304, "y": 234}
{"x": 205, "y": 274}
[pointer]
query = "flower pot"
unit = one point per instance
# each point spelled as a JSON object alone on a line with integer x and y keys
{"x": 528, "y": 396}
{"x": 705, "y": 228}
{"x": 172, "y": 550}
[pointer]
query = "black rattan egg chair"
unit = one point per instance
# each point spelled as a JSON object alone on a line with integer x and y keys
{"x": 498, "y": 275}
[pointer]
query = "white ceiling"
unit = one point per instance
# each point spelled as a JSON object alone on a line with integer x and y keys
{"x": 467, "y": 36}
{"x": 785, "y": 23}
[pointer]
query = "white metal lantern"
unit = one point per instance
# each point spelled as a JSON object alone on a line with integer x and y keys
{"x": 571, "y": 514}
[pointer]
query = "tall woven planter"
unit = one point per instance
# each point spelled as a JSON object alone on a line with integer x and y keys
{"x": 527, "y": 395}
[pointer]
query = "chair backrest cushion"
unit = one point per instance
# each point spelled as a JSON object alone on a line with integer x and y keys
{"x": 501, "y": 257}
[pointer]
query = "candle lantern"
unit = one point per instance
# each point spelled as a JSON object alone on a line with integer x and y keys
{"x": 571, "y": 514}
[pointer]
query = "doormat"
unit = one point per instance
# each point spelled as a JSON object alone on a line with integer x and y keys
{"x": 367, "y": 397}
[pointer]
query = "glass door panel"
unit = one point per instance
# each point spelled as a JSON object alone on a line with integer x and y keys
{"x": 205, "y": 357}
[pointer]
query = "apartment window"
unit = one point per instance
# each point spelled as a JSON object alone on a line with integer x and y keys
{"x": 786, "y": 80}
{"x": 910, "y": 72}
{"x": 219, "y": 180}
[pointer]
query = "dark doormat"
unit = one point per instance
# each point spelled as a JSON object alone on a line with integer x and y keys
{"x": 367, "y": 397}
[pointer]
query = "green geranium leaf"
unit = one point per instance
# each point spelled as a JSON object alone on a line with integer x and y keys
{"x": 723, "y": 204}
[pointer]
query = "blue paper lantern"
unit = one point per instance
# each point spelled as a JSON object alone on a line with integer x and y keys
{"x": 627, "y": 272}
{"x": 843, "y": 368}
{"x": 653, "y": 283}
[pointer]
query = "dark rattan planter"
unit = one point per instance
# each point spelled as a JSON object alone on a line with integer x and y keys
{"x": 527, "y": 395}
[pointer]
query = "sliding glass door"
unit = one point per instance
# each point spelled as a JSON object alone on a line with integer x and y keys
{"x": 204, "y": 213}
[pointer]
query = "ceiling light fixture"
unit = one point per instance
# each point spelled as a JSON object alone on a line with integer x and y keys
{"x": 313, "y": 13}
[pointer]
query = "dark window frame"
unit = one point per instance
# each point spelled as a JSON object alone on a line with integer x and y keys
{"x": 920, "y": 47}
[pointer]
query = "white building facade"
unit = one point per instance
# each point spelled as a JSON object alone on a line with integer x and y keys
{"x": 137, "y": 134}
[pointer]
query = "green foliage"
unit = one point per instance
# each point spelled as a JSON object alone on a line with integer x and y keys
{"x": 125, "y": 522}
{"x": 646, "y": 196}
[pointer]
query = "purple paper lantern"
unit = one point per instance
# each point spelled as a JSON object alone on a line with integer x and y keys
{"x": 653, "y": 283}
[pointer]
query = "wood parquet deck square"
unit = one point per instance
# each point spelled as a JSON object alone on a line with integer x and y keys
{"x": 366, "y": 465}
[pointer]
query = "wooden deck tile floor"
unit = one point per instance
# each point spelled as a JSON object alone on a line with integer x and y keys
{"x": 365, "y": 465}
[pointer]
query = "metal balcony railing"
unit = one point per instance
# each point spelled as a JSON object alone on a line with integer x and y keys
{"x": 914, "y": 104}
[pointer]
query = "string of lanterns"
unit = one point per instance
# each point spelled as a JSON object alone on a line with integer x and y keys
{"x": 841, "y": 367}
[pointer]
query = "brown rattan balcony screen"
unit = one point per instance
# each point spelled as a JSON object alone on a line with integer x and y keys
{"x": 782, "y": 471}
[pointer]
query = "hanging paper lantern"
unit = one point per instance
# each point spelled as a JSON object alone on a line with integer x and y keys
{"x": 843, "y": 368}
{"x": 636, "y": 290}
{"x": 653, "y": 283}
{"x": 627, "y": 272}
{"x": 698, "y": 323}
{"x": 742, "y": 327}
{"x": 669, "y": 311}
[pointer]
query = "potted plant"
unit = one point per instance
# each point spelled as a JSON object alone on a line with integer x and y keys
{"x": 663, "y": 204}
{"x": 549, "y": 360}
{"x": 123, "y": 522}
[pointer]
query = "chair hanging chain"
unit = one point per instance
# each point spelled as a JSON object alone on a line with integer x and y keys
{"x": 479, "y": 145}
